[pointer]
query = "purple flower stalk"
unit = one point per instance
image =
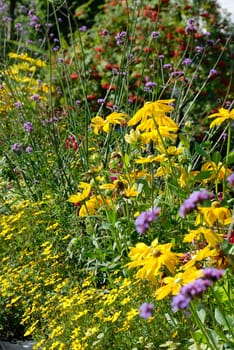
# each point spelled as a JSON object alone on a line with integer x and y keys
{"x": 230, "y": 180}
{"x": 212, "y": 273}
{"x": 16, "y": 147}
{"x": 144, "y": 220}
{"x": 187, "y": 61}
{"x": 28, "y": 127}
{"x": 146, "y": 310}
{"x": 195, "y": 288}
{"x": 194, "y": 199}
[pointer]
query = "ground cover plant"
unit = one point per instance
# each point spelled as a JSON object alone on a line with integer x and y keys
{"x": 117, "y": 153}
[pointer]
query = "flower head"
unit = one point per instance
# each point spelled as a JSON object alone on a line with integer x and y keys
{"x": 146, "y": 310}
{"x": 145, "y": 218}
{"x": 222, "y": 115}
{"x": 191, "y": 203}
{"x": 230, "y": 180}
{"x": 28, "y": 127}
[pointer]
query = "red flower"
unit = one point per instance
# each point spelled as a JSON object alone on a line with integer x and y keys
{"x": 74, "y": 76}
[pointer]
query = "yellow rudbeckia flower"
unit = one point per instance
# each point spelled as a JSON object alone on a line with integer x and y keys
{"x": 80, "y": 196}
{"x": 223, "y": 115}
{"x": 99, "y": 124}
{"x": 151, "y": 259}
{"x": 173, "y": 284}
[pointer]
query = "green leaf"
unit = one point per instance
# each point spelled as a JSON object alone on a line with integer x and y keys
{"x": 204, "y": 175}
{"x": 229, "y": 159}
{"x": 226, "y": 321}
{"x": 201, "y": 151}
{"x": 202, "y": 315}
{"x": 216, "y": 157}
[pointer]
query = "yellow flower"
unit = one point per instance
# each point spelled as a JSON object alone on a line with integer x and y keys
{"x": 25, "y": 57}
{"x": 156, "y": 110}
{"x": 173, "y": 284}
{"x": 209, "y": 235}
{"x": 200, "y": 255}
{"x": 151, "y": 259}
{"x": 80, "y": 196}
{"x": 99, "y": 124}
{"x": 131, "y": 191}
{"x": 223, "y": 114}
{"x": 91, "y": 206}
{"x": 218, "y": 171}
{"x": 149, "y": 159}
{"x": 214, "y": 214}
{"x": 133, "y": 137}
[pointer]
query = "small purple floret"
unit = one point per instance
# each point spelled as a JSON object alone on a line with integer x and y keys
{"x": 146, "y": 310}
{"x": 191, "y": 203}
{"x": 144, "y": 220}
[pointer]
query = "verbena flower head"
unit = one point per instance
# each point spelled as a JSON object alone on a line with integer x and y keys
{"x": 146, "y": 310}
{"x": 191, "y": 203}
{"x": 28, "y": 127}
{"x": 230, "y": 180}
{"x": 17, "y": 147}
{"x": 195, "y": 288}
{"x": 213, "y": 273}
{"x": 144, "y": 220}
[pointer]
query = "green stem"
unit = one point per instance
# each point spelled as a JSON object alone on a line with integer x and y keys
{"x": 209, "y": 338}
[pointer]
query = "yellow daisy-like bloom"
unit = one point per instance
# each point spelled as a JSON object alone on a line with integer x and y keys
{"x": 25, "y": 57}
{"x": 209, "y": 235}
{"x": 153, "y": 111}
{"x": 99, "y": 124}
{"x": 80, "y": 196}
{"x": 214, "y": 214}
{"x": 173, "y": 284}
{"x": 91, "y": 206}
{"x": 200, "y": 255}
{"x": 133, "y": 137}
{"x": 151, "y": 259}
{"x": 219, "y": 172}
{"x": 223, "y": 115}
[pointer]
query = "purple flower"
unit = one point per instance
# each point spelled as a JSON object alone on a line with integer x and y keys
{"x": 212, "y": 273}
{"x": 120, "y": 37}
{"x": 187, "y": 61}
{"x": 195, "y": 288}
{"x": 150, "y": 84}
{"x": 35, "y": 97}
{"x": 199, "y": 49}
{"x": 230, "y": 180}
{"x": 146, "y": 310}
{"x": 100, "y": 101}
{"x": 18, "y": 104}
{"x": 191, "y": 27}
{"x": 177, "y": 74}
{"x": 28, "y": 127}
{"x": 167, "y": 66}
{"x": 155, "y": 35}
{"x": 28, "y": 149}
{"x": 16, "y": 147}
{"x": 213, "y": 72}
{"x": 145, "y": 218}
{"x": 191, "y": 203}
{"x": 83, "y": 29}
{"x": 180, "y": 302}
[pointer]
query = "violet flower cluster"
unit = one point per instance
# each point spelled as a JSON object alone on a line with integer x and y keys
{"x": 146, "y": 310}
{"x": 195, "y": 288}
{"x": 144, "y": 220}
{"x": 194, "y": 199}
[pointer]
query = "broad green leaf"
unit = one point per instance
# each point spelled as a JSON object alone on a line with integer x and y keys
{"x": 201, "y": 151}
